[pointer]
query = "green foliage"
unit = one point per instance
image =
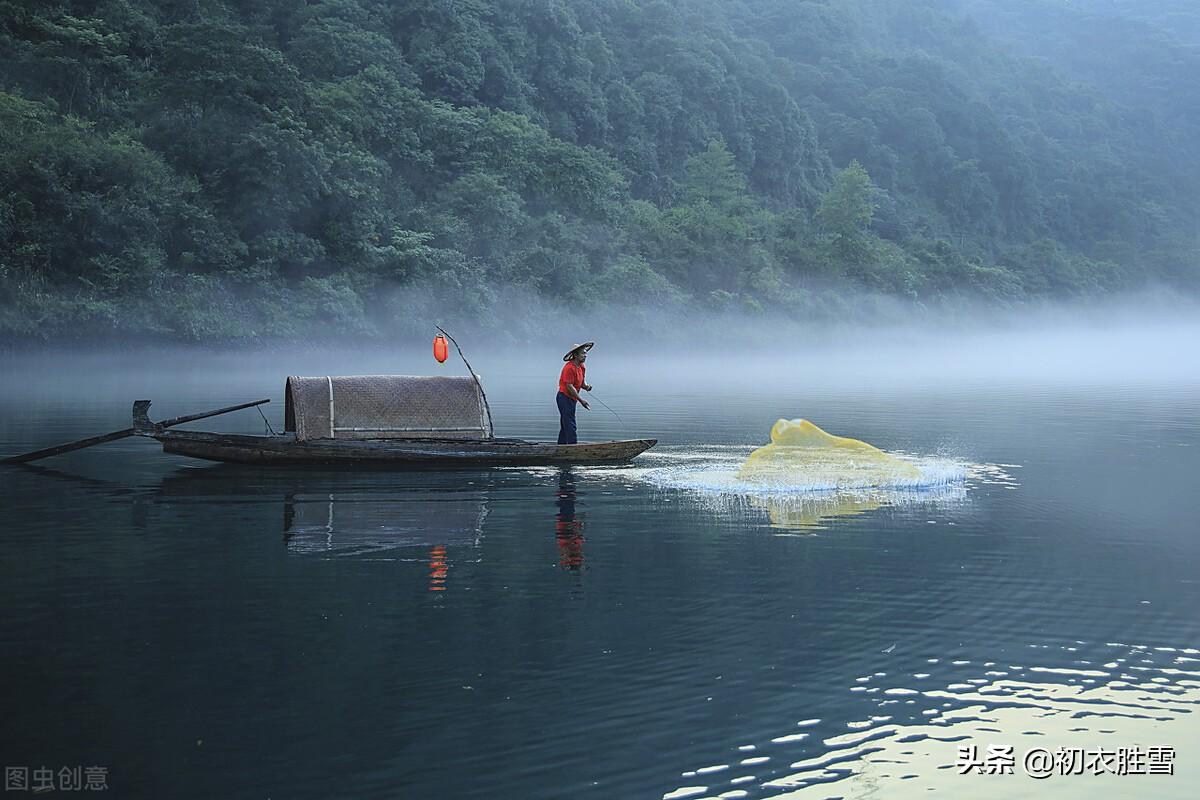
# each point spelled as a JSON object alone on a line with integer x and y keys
{"x": 286, "y": 168}
{"x": 713, "y": 177}
{"x": 846, "y": 211}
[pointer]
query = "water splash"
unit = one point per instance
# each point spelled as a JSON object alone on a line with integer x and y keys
{"x": 806, "y": 477}
{"x": 695, "y": 472}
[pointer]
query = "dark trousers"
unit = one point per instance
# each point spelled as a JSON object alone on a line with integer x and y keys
{"x": 566, "y": 419}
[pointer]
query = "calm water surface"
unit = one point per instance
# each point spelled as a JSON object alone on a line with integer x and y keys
{"x": 637, "y": 632}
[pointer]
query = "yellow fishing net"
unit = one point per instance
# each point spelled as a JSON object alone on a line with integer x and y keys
{"x": 802, "y": 455}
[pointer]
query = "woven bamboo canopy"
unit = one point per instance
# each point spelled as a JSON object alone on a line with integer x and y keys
{"x": 385, "y": 407}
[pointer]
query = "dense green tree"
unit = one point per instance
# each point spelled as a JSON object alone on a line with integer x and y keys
{"x": 846, "y": 211}
{"x": 713, "y": 176}
{"x": 227, "y": 168}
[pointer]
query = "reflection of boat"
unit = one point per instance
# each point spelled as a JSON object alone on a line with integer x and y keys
{"x": 356, "y": 522}
{"x": 347, "y": 513}
{"x": 383, "y": 420}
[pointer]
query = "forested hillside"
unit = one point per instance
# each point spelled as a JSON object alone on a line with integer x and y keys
{"x": 210, "y": 169}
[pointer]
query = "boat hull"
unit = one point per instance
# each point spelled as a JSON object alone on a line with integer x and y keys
{"x": 286, "y": 450}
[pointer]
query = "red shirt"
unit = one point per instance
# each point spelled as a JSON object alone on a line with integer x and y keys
{"x": 571, "y": 376}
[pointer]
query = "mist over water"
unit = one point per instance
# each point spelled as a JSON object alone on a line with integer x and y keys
{"x": 658, "y": 629}
{"x": 1151, "y": 337}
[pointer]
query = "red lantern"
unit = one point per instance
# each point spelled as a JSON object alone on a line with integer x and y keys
{"x": 441, "y": 350}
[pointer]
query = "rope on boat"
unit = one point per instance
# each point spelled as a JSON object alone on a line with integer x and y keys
{"x": 491, "y": 425}
{"x": 267, "y": 421}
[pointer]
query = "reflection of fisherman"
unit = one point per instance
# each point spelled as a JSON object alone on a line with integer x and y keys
{"x": 568, "y": 529}
{"x": 570, "y": 381}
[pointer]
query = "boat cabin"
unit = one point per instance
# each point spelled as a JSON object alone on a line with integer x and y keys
{"x": 385, "y": 407}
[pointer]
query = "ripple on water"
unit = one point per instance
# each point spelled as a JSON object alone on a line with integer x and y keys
{"x": 916, "y": 752}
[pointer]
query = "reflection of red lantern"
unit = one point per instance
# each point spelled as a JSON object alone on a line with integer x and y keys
{"x": 441, "y": 350}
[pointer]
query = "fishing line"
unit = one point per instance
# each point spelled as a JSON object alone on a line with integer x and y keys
{"x": 601, "y": 402}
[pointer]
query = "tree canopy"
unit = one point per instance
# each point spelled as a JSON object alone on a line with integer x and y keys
{"x": 227, "y": 169}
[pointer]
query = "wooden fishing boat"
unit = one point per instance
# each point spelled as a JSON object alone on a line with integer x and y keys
{"x": 415, "y": 452}
{"x": 370, "y": 420}
{"x": 383, "y": 420}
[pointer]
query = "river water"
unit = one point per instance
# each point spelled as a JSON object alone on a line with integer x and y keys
{"x": 649, "y": 631}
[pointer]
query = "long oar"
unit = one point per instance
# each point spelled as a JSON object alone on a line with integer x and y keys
{"x": 112, "y": 437}
{"x": 601, "y": 402}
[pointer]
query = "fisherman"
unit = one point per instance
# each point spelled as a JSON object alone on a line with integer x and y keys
{"x": 570, "y": 381}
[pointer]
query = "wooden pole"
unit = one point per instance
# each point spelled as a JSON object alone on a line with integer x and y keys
{"x": 193, "y": 417}
{"x": 66, "y": 448}
{"x": 483, "y": 394}
{"x": 140, "y": 405}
